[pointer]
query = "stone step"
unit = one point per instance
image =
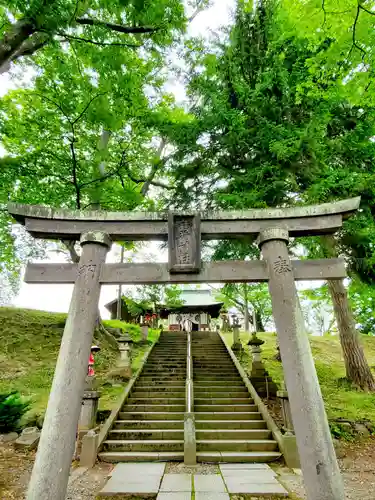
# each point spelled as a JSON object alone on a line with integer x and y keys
{"x": 208, "y": 366}
{"x": 147, "y": 445}
{"x": 216, "y": 390}
{"x": 211, "y": 371}
{"x": 238, "y": 457}
{"x": 165, "y": 367}
{"x": 136, "y": 415}
{"x": 162, "y": 370}
{"x": 154, "y": 434}
{"x": 236, "y": 445}
{"x": 171, "y": 391}
{"x": 230, "y": 424}
{"x": 225, "y": 408}
{"x": 236, "y": 382}
{"x": 227, "y": 416}
{"x": 148, "y": 382}
{"x": 221, "y": 401}
{"x": 218, "y": 380}
{"x": 114, "y": 457}
{"x": 156, "y": 400}
{"x": 149, "y": 424}
{"x": 232, "y": 434}
{"x": 207, "y": 395}
{"x": 154, "y": 408}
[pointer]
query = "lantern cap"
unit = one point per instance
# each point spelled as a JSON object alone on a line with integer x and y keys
{"x": 125, "y": 337}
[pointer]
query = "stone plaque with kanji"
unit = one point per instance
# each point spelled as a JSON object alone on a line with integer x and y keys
{"x": 184, "y": 241}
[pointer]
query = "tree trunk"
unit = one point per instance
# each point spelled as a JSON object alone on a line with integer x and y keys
{"x": 13, "y": 40}
{"x": 259, "y": 327}
{"x": 357, "y": 369}
{"x": 119, "y": 298}
{"x": 246, "y": 309}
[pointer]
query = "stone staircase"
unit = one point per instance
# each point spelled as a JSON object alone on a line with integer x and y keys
{"x": 151, "y": 424}
{"x": 229, "y": 427}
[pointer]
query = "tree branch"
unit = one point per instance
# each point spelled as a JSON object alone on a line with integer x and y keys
{"x": 355, "y": 44}
{"x": 31, "y": 45}
{"x": 101, "y": 44}
{"x": 116, "y": 27}
{"x": 87, "y": 107}
{"x": 366, "y": 10}
{"x": 12, "y": 40}
{"x": 58, "y": 106}
{"x": 324, "y": 13}
{"x": 72, "y": 251}
{"x": 74, "y": 172}
{"x": 199, "y": 8}
{"x": 98, "y": 179}
{"x": 148, "y": 181}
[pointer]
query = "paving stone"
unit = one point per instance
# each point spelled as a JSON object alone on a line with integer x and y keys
{"x": 134, "y": 470}
{"x": 257, "y": 476}
{"x": 253, "y": 488}
{"x": 142, "y": 486}
{"x": 29, "y": 439}
{"x": 176, "y": 482}
{"x": 208, "y": 495}
{"x": 209, "y": 483}
{"x": 179, "y": 495}
{"x": 224, "y": 467}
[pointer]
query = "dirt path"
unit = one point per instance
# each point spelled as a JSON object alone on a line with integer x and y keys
{"x": 358, "y": 469}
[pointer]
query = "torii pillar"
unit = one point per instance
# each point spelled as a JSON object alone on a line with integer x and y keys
{"x": 321, "y": 473}
{"x": 50, "y": 474}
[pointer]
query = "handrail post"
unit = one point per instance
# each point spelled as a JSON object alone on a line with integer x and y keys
{"x": 190, "y": 448}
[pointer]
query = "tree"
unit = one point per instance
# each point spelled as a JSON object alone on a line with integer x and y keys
{"x": 251, "y": 299}
{"x": 272, "y": 142}
{"x": 27, "y": 27}
{"x": 318, "y": 310}
{"x": 86, "y": 134}
{"x": 362, "y": 300}
{"x": 152, "y": 297}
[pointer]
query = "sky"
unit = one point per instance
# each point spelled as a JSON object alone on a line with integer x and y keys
{"x": 57, "y": 297}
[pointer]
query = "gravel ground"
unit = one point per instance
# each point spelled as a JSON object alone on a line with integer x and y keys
{"x": 85, "y": 486}
{"x": 176, "y": 468}
{"x": 357, "y": 467}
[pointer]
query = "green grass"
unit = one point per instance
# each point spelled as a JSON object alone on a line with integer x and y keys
{"x": 30, "y": 341}
{"x": 341, "y": 399}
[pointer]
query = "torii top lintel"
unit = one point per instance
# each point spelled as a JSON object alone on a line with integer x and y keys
{"x": 49, "y": 223}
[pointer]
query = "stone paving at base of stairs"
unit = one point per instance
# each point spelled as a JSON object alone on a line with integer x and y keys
{"x": 148, "y": 480}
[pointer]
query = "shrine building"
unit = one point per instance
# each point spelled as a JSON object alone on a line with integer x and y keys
{"x": 196, "y": 312}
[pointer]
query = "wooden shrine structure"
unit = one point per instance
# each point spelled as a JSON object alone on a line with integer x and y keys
{"x": 184, "y": 232}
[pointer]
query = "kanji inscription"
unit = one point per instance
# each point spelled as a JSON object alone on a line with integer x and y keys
{"x": 184, "y": 243}
{"x": 281, "y": 266}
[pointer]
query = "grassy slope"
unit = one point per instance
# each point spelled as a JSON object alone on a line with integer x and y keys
{"x": 340, "y": 399}
{"x": 29, "y": 344}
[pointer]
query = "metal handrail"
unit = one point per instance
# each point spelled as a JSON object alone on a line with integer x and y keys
{"x": 189, "y": 376}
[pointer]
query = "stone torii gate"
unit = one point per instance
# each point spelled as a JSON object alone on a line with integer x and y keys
{"x": 184, "y": 232}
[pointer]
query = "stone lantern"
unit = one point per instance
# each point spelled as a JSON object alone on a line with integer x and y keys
{"x": 237, "y": 346}
{"x": 125, "y": 342}
{"x": 259, "y": 376}
{"x": 255, "y": 343}
{"x": 144, "y": 331}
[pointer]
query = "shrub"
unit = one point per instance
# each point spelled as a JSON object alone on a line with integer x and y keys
{"x": 12, "y": 408}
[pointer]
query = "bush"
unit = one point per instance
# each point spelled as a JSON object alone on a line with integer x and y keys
{"x": 12, "y": 408}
